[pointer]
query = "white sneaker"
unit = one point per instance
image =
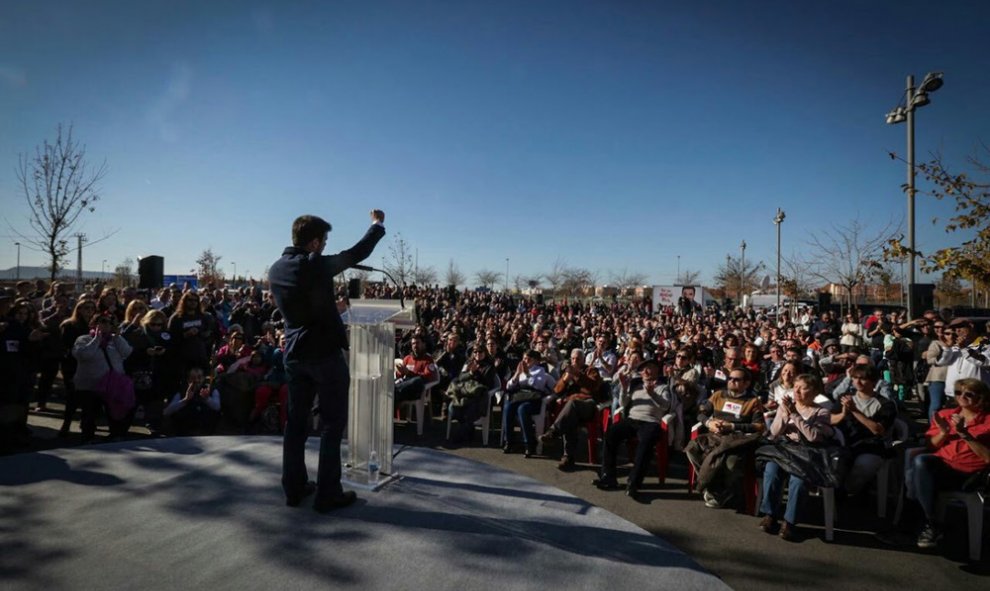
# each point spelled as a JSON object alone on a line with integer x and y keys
{"x": 710, "y": 501}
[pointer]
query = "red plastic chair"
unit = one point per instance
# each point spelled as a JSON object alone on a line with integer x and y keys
{"x": 750, "y": 485}
{"x": 662, "y": 447}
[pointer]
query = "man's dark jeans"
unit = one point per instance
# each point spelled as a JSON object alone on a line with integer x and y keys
{"x": 329, "y": 379}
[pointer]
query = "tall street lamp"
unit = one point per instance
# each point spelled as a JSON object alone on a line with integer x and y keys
{"x": 742, "y": 271}
{"x": 18, "y": 245}
{"x": 904, "y": 111}
{"x": 678, "y": 282}
{"x": 506, "y": 274}
{"x": 103, "y": 269}
{"x": 777, "y": 220}
{"x": 234, "y": 278}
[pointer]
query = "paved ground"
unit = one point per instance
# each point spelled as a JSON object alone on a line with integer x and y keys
{"x": 727, "y": 543}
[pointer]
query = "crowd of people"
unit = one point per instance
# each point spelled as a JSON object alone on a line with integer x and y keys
{"x": 809, "y": 399}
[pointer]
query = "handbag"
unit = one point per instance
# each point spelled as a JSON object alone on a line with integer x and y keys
{"x": 118, "y": 392}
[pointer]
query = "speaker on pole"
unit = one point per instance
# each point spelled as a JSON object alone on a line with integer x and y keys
{"x": 354, "y": 289}
{"x": 922, "y": 296}
{"x": 824, "y": 301}
{"x": 151, "y": 272}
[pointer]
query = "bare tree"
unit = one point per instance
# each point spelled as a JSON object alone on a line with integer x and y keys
{"x": 454, "y": 276}
{"x": 58, "y": 186}
{"x": 795, "y": 280}
{"x": 424, "y": 276}
{"x": 555, "y": 277}
{"x": 577, "y": 280}
{"x": 123, "y": 273}
{"x": 487, "y": 277}
{"x": 625, "y": 281}
{"x": 848, "y": 255}
{"x": 689, "y": 277}
{"x": 738, "y": 276}
{"x": 399, "y": 263}
{"x": 209, "y": 268}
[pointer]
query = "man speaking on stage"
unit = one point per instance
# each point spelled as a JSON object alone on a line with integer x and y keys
{"x": 315, "y": 355}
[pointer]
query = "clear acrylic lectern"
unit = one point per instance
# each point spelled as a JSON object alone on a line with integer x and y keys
{"x": 371, "y": 330}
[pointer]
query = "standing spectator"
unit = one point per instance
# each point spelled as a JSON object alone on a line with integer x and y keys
{"x": 189, "y": 334}
{"x": 965, "y": 358}
{"x": 20, "y": 336}
{"x": 51, "y": 348}
{"x": 936, "y": 373}
{"x": 97, "y": 353}
{"x": 71, "y": 329}
{"x": 148, "y": 366}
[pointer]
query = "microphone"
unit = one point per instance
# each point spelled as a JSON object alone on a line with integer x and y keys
{"x": 402, "y": 299}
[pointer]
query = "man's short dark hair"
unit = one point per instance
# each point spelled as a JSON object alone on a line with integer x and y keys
{"x": 307, "y": 228}
{"x": 534, "y": 355}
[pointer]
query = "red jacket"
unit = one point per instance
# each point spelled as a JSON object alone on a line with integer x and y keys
{"x": 422, "y": 366}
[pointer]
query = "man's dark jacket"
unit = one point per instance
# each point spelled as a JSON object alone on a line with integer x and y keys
{"x": 302, "y": 283}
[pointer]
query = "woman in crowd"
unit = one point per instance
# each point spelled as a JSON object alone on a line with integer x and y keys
{"x": 799, "y": 423}
{"x": 109, "y": 305}
{"x": 132, "y": 317}
{"x": 852, "y": 335}
{"x": 20, "y": 337}
{"x": 936, "y": 374}
{"x": 234, "y": 350}
{"x": 190, "y": 331}
{"x": 71, "y": 329}
{"x": 959, "y": 445}
{"x": 148, "y": 365}
{"x": 51, "y": 350}
{"x": 97, "y": 353}
{"x": 195, "y": 407}
{"x": 782, "y": 387}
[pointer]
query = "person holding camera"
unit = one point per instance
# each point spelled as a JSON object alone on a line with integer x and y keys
{"x": 966, "y": 358}
{"x": 97, "y": 353}
{"x": 195, "y": 408}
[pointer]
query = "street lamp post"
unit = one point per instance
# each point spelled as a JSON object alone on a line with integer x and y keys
{"x": 742, "y": 271}
{"x": 913, "y": 98}
{"x": 678, "y": 282}
{"x": 103, "y": 269}
{"x": 778, "y": 220}
{"x": 18, "y": 245}
{"x": 234, "y": 278}
{"x": 506, "y": 274}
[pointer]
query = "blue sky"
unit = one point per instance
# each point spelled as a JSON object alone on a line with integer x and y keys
{"x": 609, "y": 134}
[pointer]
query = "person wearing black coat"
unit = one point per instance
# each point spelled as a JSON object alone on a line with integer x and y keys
{"x": 315, "y": 362}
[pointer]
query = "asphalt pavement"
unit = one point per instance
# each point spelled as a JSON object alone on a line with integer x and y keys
{"x": 727, "y": 543}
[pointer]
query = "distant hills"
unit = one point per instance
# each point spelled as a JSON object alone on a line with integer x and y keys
{"x": 42, "y": 273}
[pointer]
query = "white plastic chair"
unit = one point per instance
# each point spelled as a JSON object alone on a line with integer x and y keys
{"x": 421, "y": 403}
{"x": 974, "y": 502}
{"x": 976, "y": 505}
{"x": 540, "y": 422}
